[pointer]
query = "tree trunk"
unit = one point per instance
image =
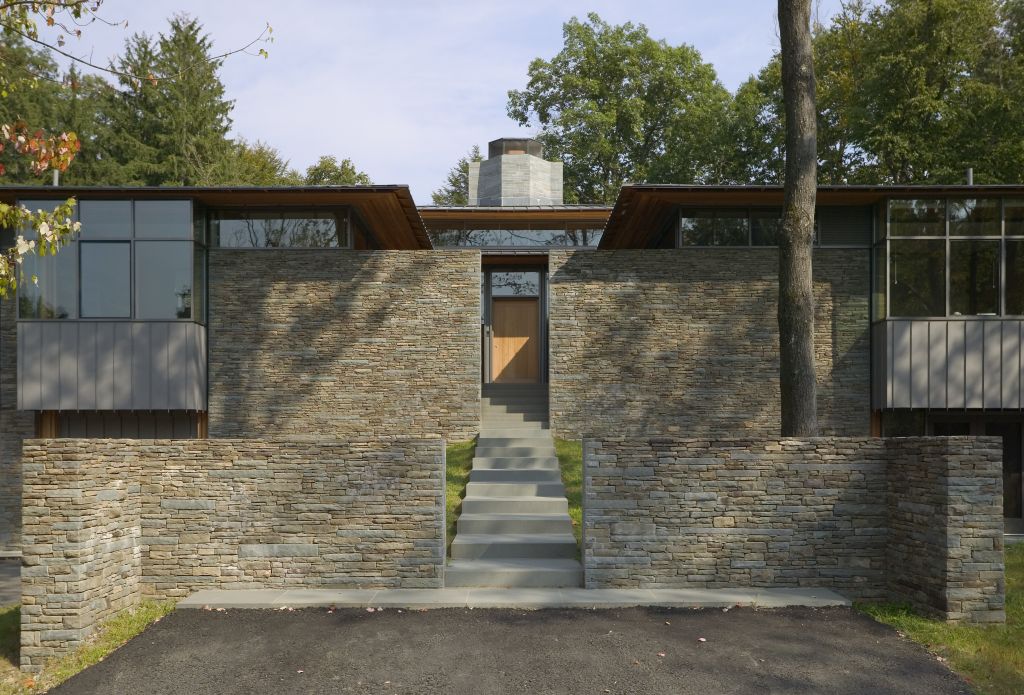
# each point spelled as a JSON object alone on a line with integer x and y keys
{"x": 796, "y": 296}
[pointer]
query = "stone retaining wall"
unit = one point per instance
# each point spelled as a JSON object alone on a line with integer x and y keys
{"x": 15, "y": 426}
{"x": 917, "y": 519}
{"x": 109, "y": 521}
{"x": 685, "y": 342}
{"x": 345, "y": 343}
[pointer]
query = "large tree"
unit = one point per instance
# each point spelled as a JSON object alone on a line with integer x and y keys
{"x": 328, "y": 171}
{"x": 618, "y": 106}
{"x": 455, "y": 190}
{"x": 796, "y": 291}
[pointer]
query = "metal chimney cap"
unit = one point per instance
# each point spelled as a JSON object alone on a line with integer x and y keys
{"x": 496, "y": 148}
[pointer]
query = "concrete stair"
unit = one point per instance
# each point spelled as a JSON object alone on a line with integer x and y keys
{"x": 514, "y": 531}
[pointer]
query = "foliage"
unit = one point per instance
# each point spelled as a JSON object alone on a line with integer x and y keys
{"x": 990, "y": 656}
{"x": 250, "y": 164}
{"x": 328, "y": 171}
{"x": 112, "y": 634}
{"x": 570, "y": 460}
{"x": 618, "y": 106}
{"x": 455, "y": 190}
{"x": 459, "y": 463}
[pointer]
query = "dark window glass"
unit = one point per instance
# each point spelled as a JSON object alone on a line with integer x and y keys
{"x": 879, "y": 288}
{"x": 917, "y": 274}
{"x": 105, "y": 219}
{"x": 1015, "y": 276}
{"x": 515, "y": 284}
{"x": 281, "y": 230}
{"x": 163, "y": 219}
{"x": 921, "y": 217}
{"x": 974, "y": 217}
{"x": 448, "y": 238}
{"x": 765, "y": 227}
{"x": 163, "y": 280}
{"x": 973, "y": 277}
{"x": 106, "y": 279}
{"x": 1013, "y": 214}
{"x": 715, "y": 228}
{"x": 698, "y": 230}
{"x": 54, "y": 293}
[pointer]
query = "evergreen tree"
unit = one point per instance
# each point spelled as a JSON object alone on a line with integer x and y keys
{"x": 328, "y": 171}
{"x": 455, "y": 190}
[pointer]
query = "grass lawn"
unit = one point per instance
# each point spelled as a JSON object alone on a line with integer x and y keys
{"x": 459, "y": 462}
{"x": 990, "y": 657}
{"x": 570, "y": 459}
{"x": 110, "y": 635}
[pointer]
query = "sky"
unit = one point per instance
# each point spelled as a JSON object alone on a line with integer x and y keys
{"x": 405, "y": 88}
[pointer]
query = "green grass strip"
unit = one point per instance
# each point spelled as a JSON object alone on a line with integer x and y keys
{"x": 570, "y": 459}
{"x": 459, "y": 457}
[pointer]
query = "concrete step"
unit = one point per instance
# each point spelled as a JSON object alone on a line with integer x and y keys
{"x": 538, "y": 408}
{"x": 487, "y": 546}
{"x": 514, "y": 523}
{"x": 539, "y": 439}
{"x": 513, "y": 402}
{"x": 519, "y": 573}
{"x": 513, "y": 419}
{"x": 515, "y": 504}
{"x": 515, "y": 451}
{"x": 555, "y": 489}
{"x": 503, "y": 463}
{"x": 515, "y": 475}
{"x": 530, "y": 429}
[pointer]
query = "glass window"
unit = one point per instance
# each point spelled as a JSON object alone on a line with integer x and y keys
{"x": 974, "y": 217}
{"x": 578, "y": 237}
{"x": 515, "y": 284}
{"x": 1015, "y": 277}
{"x": 163, "y": 219}
{"x": 105, "y": 219}
{"x": 282, "y": 230}
{"x": 106, "y": 279}
{"x": 715, "y": 228}
{"x": 163, "y": 280}
{"x": 879, "y": 288}
{"x": 765, "y": 227}
{"x": 921, "y": 217}
{"x": 1013, "y": 214}
{"x": 55, "y": 293}
{"x": 973, "y": 277}
{"x": 917, "y": 273}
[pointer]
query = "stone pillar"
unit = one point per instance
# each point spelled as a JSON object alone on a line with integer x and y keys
{"x": 15, "y": 426}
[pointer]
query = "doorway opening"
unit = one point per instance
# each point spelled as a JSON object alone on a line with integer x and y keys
{"x": 514, "y": 324}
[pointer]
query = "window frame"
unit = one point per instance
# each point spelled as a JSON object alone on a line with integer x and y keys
{"x": 339, "y": 211}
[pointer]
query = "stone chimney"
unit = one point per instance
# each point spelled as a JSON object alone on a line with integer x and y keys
{"x": 515, "y": 173}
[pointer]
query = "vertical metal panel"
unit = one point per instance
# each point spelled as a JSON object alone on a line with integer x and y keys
{"x": 87, "y": 367}
{"x": 991, "y": 364}
{"x": 105, "y": 366}
{"x": 142, "y": 366}
{"x": 158, "y": 365}
{"x": 123, "y": 382}
{"x": 111, "y": 365}
{"x": 974, "y": 380}
{"x": 936, "y": 364}
{"x": 919, "y": 364}
{"x": 901, "y": 352}
{"x": 1009, "y": 367}
{"x": 956, "y": 363}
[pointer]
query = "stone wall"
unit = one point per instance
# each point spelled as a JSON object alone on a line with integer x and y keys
{"x": 344, "y": 343}
{"x": 107, "y": 521}
{"x": 918, "y": 520}
{"x": 14, "y": 427}
{"x": 686, "y": 342}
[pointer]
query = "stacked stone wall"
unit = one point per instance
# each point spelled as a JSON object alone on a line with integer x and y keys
{"x": 15, "y": 426}
{"x": 916, "y": 520}
{"x": 685, "y": 342}
{"x": 108, "y": 521}
{"x": 347, "y": 343}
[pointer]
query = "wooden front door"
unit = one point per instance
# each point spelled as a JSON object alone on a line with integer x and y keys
{"x": 515, "y": 341}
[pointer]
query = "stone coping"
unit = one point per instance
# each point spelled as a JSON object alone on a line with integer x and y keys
{"x": 513, "y": 598}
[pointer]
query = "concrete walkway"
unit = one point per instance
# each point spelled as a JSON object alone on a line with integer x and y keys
{"x": 514, "y": 598}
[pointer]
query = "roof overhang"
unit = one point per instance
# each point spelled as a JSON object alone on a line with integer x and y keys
{"x": 643, "y": 211}
{"x": 388, "y": 211}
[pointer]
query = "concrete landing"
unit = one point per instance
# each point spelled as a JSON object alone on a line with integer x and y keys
{"x": 512, "y": 598}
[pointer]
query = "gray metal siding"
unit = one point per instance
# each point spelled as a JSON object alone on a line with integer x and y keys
{"x": 949, "y": 363}
{"x": 111, "y": 365}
